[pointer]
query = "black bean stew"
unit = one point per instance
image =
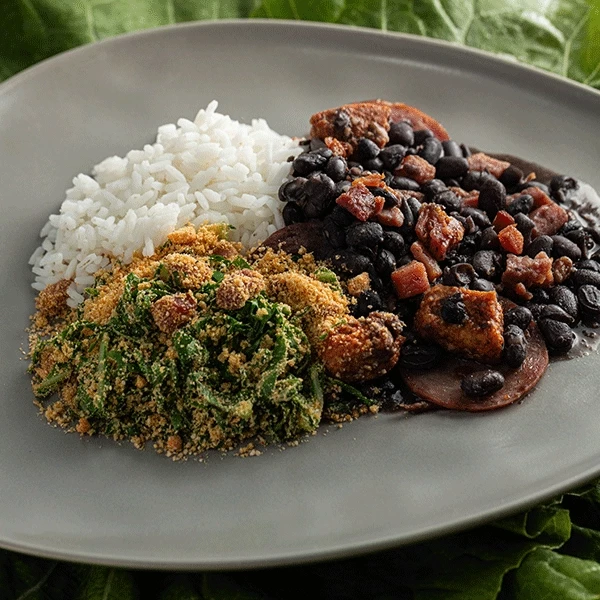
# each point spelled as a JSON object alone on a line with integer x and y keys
{"x": 421, "y": 226}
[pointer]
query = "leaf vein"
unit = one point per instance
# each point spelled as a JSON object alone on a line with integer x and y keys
{"x": 39, "y": 584}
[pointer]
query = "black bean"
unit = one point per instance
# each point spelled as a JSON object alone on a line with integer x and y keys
{"x": 367, "y": 302}
{"x": 473, "y": 180}
{"x": 559, "y": 336}
{"x": 432, "y": 150}
{"x": 392, "y": 155}
{"x": 432, "y": 188}
{"x": 315, "y": 144}
{"x": 342, "y": 125}
{"x": 336, "y": 168}
{"x": 595, "y": 233}
{"x": 492, "y": 197}
{"x": 511, "y": 177}
{"x": 465, "y": 150}
{"x": 319, "y": 194}
{"x": 581, "y": 277}
{"x": 304, "y": 164}
{"x": 583, "y": 239}
{"x": 589, "y": 300}
{"x": 542, "y": 243}
{"x": 479, "y": 217}
{"x": 385, "y": 263}
{"x": 515, "y": 346}
{"x": 448, "y": 199}
{"x": 540, "y": 296}
{"x": 404, "y": 183}
{"x": 554, "y": 311}
{"x": 341, "y": 216}
{"x": 401, "y": 133}
{"x": 565, "y": 247}
{"x": 394, "y": 242}
{"x": 364, "y": 234}
{"x": 570, "y": 226}
{"x": 469, "y": 244}
{"x": 521, "y": 204}
{"x": 525, "y": 225}
{"x": 460, "y": 275}
{"x": 351, "y": 263}
{"x": 419, "y": 355}
{"x": 453, "y": 309}
{"x": 485, "y": 262}
{"x": 292, "y": 213}
{"x": 356, "y": 169}
{"x": 374, "y": 164}
{"x": 409, "y": 218}
{"x": 472, "y": 227}
{"x": 333, "y": 232}
{"x": 390, "y": 198}
{"x": 482, "y": 383}
{"x": 482, "y": 285}
{"x": 366, "y": 149}
{"x": 292, "y": 190}
{"x": 519, "y": 316}
{"x": 420, "y": 135}
{"x": 489, "y": 239}
{"x": 535, "y": 309}
{"x": 451, "y": 148}
{"x": 451, "y": 166}
{"x": 368, "y": 251}
{"x": 414, "y": 205}
{"x": 590, "y": 265}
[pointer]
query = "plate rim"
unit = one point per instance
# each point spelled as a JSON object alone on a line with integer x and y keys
{"x": 339, "y": 550}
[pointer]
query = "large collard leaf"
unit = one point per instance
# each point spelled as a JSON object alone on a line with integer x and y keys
{"x": 547, "y": 575}
{"x": 101, "y": 583}
{"x": 562, "y": 36}
{"x": 36, "y": 29}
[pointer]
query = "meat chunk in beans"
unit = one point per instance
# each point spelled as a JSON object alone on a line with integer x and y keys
{"x": 438, "y": 231}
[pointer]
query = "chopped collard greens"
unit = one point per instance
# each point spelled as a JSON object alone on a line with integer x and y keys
{"x": 191, "y": 349}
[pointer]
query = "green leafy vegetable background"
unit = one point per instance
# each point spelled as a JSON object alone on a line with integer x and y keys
{"x": 550, "y": 552}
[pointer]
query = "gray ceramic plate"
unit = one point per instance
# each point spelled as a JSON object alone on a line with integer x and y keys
{"x": 375, "y": 483}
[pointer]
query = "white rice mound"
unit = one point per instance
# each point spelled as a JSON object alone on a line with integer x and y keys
{"x": 213, "y": 169}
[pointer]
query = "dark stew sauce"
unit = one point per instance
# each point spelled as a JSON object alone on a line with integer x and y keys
{"x": 490, "y": 260}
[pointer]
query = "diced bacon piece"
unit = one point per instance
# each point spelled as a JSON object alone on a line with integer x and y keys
{"x": 393, "y": 216}
{"x": 410, "y": 280}
{"x": 360, "y": 202}
{"x": 548, "y": 219}
{"x": 540, "y": 198}
{"x": 531, "y": 272}
{"x": 502, "y": 220}
{"x": 350, "y": 122}
{"x": 471, "y": 200}
{"x": 482, "y": 162}
{"x": 511, "y": 240}
{"x": 416, "y": 168}
{"x": 371, "y": 180}
{"x": 431, "y": 265}
{"x": 521, "y": 291}
{"x": 479, "y": 337}
{"x": 343, "y": 149}
{"x": 438, "y": 231}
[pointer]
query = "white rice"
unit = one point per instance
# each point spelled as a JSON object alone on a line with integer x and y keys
{"x": 213, "y": 169}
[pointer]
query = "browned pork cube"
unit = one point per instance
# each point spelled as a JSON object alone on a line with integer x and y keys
{"x": 438, "y": 231}
{"x": 479, "y": 336}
